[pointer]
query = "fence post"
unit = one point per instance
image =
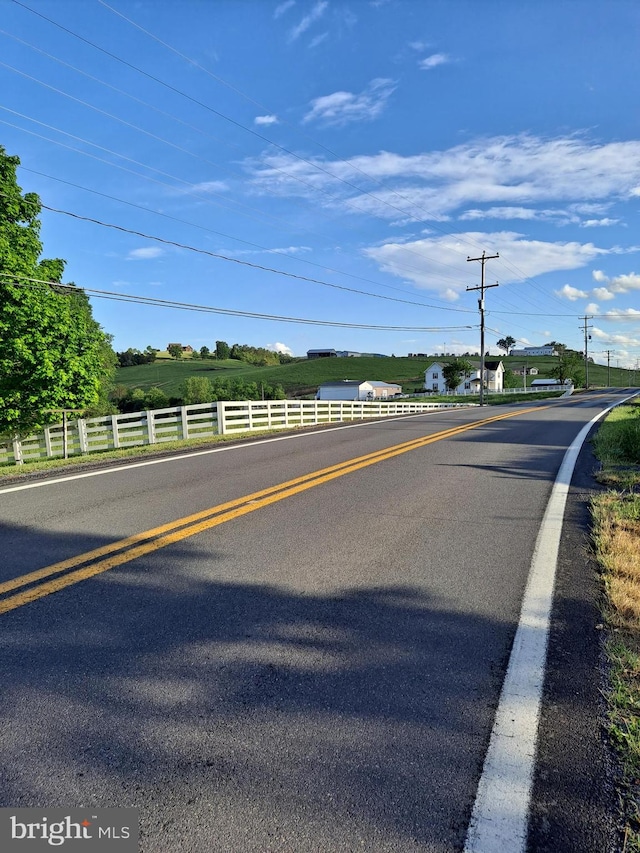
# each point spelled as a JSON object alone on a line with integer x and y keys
{"x": 114, "y": 430}
{"x": 47, "y": 441}
{"x": 220, "y": 415}
{"x": 82, "y": 435}
{"x": 151, "y": 427}
{"x": 17, "y": 451}
{"x": 185, "y": 422}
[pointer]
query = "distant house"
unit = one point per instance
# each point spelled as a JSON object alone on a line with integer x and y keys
{"x": 321, "y": 353}
{"x": 186, "y": 348}
{"x": 357, "y": 389}
{"x": 493, "y": 378}
{"x": 523, "y": 353}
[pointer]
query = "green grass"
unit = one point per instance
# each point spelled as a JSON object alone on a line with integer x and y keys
{"x": 303, "y": 377}
{"x": 616, "y": 537}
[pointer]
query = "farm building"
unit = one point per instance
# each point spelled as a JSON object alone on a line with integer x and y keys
{"x": 357, "y": 389}
{"x": 493, "y": 377}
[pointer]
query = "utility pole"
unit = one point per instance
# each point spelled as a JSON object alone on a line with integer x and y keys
{"x": 586, "y": 354}
{"x": 608, "y": 352}
{"x": 482, "y": 289}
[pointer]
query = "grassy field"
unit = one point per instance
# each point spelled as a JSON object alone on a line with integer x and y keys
{"x": 616, "y": 536}
{"x": 301, "y": 378}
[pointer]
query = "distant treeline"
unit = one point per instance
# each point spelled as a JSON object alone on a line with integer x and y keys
{"x": 196, "y": 389}
{"x": 256, "y": 356}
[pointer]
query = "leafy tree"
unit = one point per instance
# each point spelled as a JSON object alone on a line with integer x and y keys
{"x": 155, "y": 398}
{"x": 205, "y": 352}
{"x": 197, "y": 389}
{"x": 175, "y": 350}
{"x": 506, "y": 343}
{"x": 54, "y": 354}
{"x": 569, "y": 365}
{"x": 222, "y": 349}
{"x": 454, "y": 372}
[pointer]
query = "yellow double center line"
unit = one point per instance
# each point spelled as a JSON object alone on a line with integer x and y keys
{"x": 123, "y": 551}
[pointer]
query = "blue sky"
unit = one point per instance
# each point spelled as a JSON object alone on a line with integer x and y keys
{"x": 369, "y": 146}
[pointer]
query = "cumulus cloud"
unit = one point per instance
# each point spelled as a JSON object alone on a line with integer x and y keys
{"x": 619, "y": 284}
{"x": 571, "y": 293}
{"x": 280, "y": 347}
{"x": 265, "y": 120}
{"x": 433, "y": 61}
{"x": 341, "y": 108}
{"x": 602, "y": 294}
{"x": 439, "y": 263}
{"x": 592, "y": 308}
{"x": 314, "y": 15}
{"x": 145, "y": 253}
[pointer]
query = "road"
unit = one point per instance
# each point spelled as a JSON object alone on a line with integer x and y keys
{"x": 312, "y": 666}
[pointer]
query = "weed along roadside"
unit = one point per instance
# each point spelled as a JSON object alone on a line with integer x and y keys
{"x": 616, "y": 538}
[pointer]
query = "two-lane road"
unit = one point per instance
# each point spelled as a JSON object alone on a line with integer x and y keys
{"x": 296, "y": 644}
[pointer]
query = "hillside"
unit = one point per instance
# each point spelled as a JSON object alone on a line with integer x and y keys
{"x": 302, "y": 378}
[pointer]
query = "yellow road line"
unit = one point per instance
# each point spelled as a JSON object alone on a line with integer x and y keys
{"x": 167, "y": 534}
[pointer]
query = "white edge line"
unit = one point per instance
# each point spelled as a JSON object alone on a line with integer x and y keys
{"x": 224, "y": 448}
{"x": 499, "y": 820}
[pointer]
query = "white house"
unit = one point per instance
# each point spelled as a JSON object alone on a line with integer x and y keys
{"x": 357, "y": 389}
{"x": 493, "y": 378}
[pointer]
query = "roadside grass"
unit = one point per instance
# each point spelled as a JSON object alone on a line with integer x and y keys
{"x": 616, "y": 538}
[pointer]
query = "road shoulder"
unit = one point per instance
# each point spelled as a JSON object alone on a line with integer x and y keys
{"x": 574, "y": 802}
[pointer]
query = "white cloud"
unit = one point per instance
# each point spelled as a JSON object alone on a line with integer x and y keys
{"x": 314, "y": 15}
{"x": 625, "y": 314}
{"x": 603, "y": 294}
{"x": 592, "y": 223}
{"x": 207, "y": 187}
{"x": 433, "y": 61}
{"x": 571, "y": 293}
{"x": 341, "y": 108}
{"x": 620, "y": 284}
{"x": 592, "y": 308}
{"x": 265, "y": 120}
{"x": 283, "y": 7}
{"x": 279, "y": 347}
{"x": 318, "y": 40}
{"x": 145, "y": 253}
{"x": 428, "y": 262}
{"x": 517, "y": 172}
{"x": 289, "y": 250}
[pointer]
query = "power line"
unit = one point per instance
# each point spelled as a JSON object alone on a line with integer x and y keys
{"x": 209, "y": 309}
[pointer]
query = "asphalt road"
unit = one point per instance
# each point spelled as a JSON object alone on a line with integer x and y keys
{"x": 316, "y": 669}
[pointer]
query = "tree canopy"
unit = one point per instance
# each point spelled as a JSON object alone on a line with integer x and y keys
{"x": 53, "y": 354}
{"x": 454, "y": 372}
{"x": 506, "y": 343}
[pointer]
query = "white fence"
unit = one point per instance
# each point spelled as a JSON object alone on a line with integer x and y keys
{"x": 203, "y": 420}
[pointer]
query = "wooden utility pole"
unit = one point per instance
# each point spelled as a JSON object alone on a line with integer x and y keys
{"x": 482, "y": 289}
{"x": 586, "y": 354}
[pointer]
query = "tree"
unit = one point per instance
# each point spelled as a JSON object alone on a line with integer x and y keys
{"x": 506, "y": 343}
{"x": 454, "y": 372}
{"x": 197, "y": 389}
{"x": 175, "y": 350}
{"x": 54, "y": 355}
{"x": 222, "y": 349}
{"x": 569, "y": 365}
{"x": 205, "y": 352}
